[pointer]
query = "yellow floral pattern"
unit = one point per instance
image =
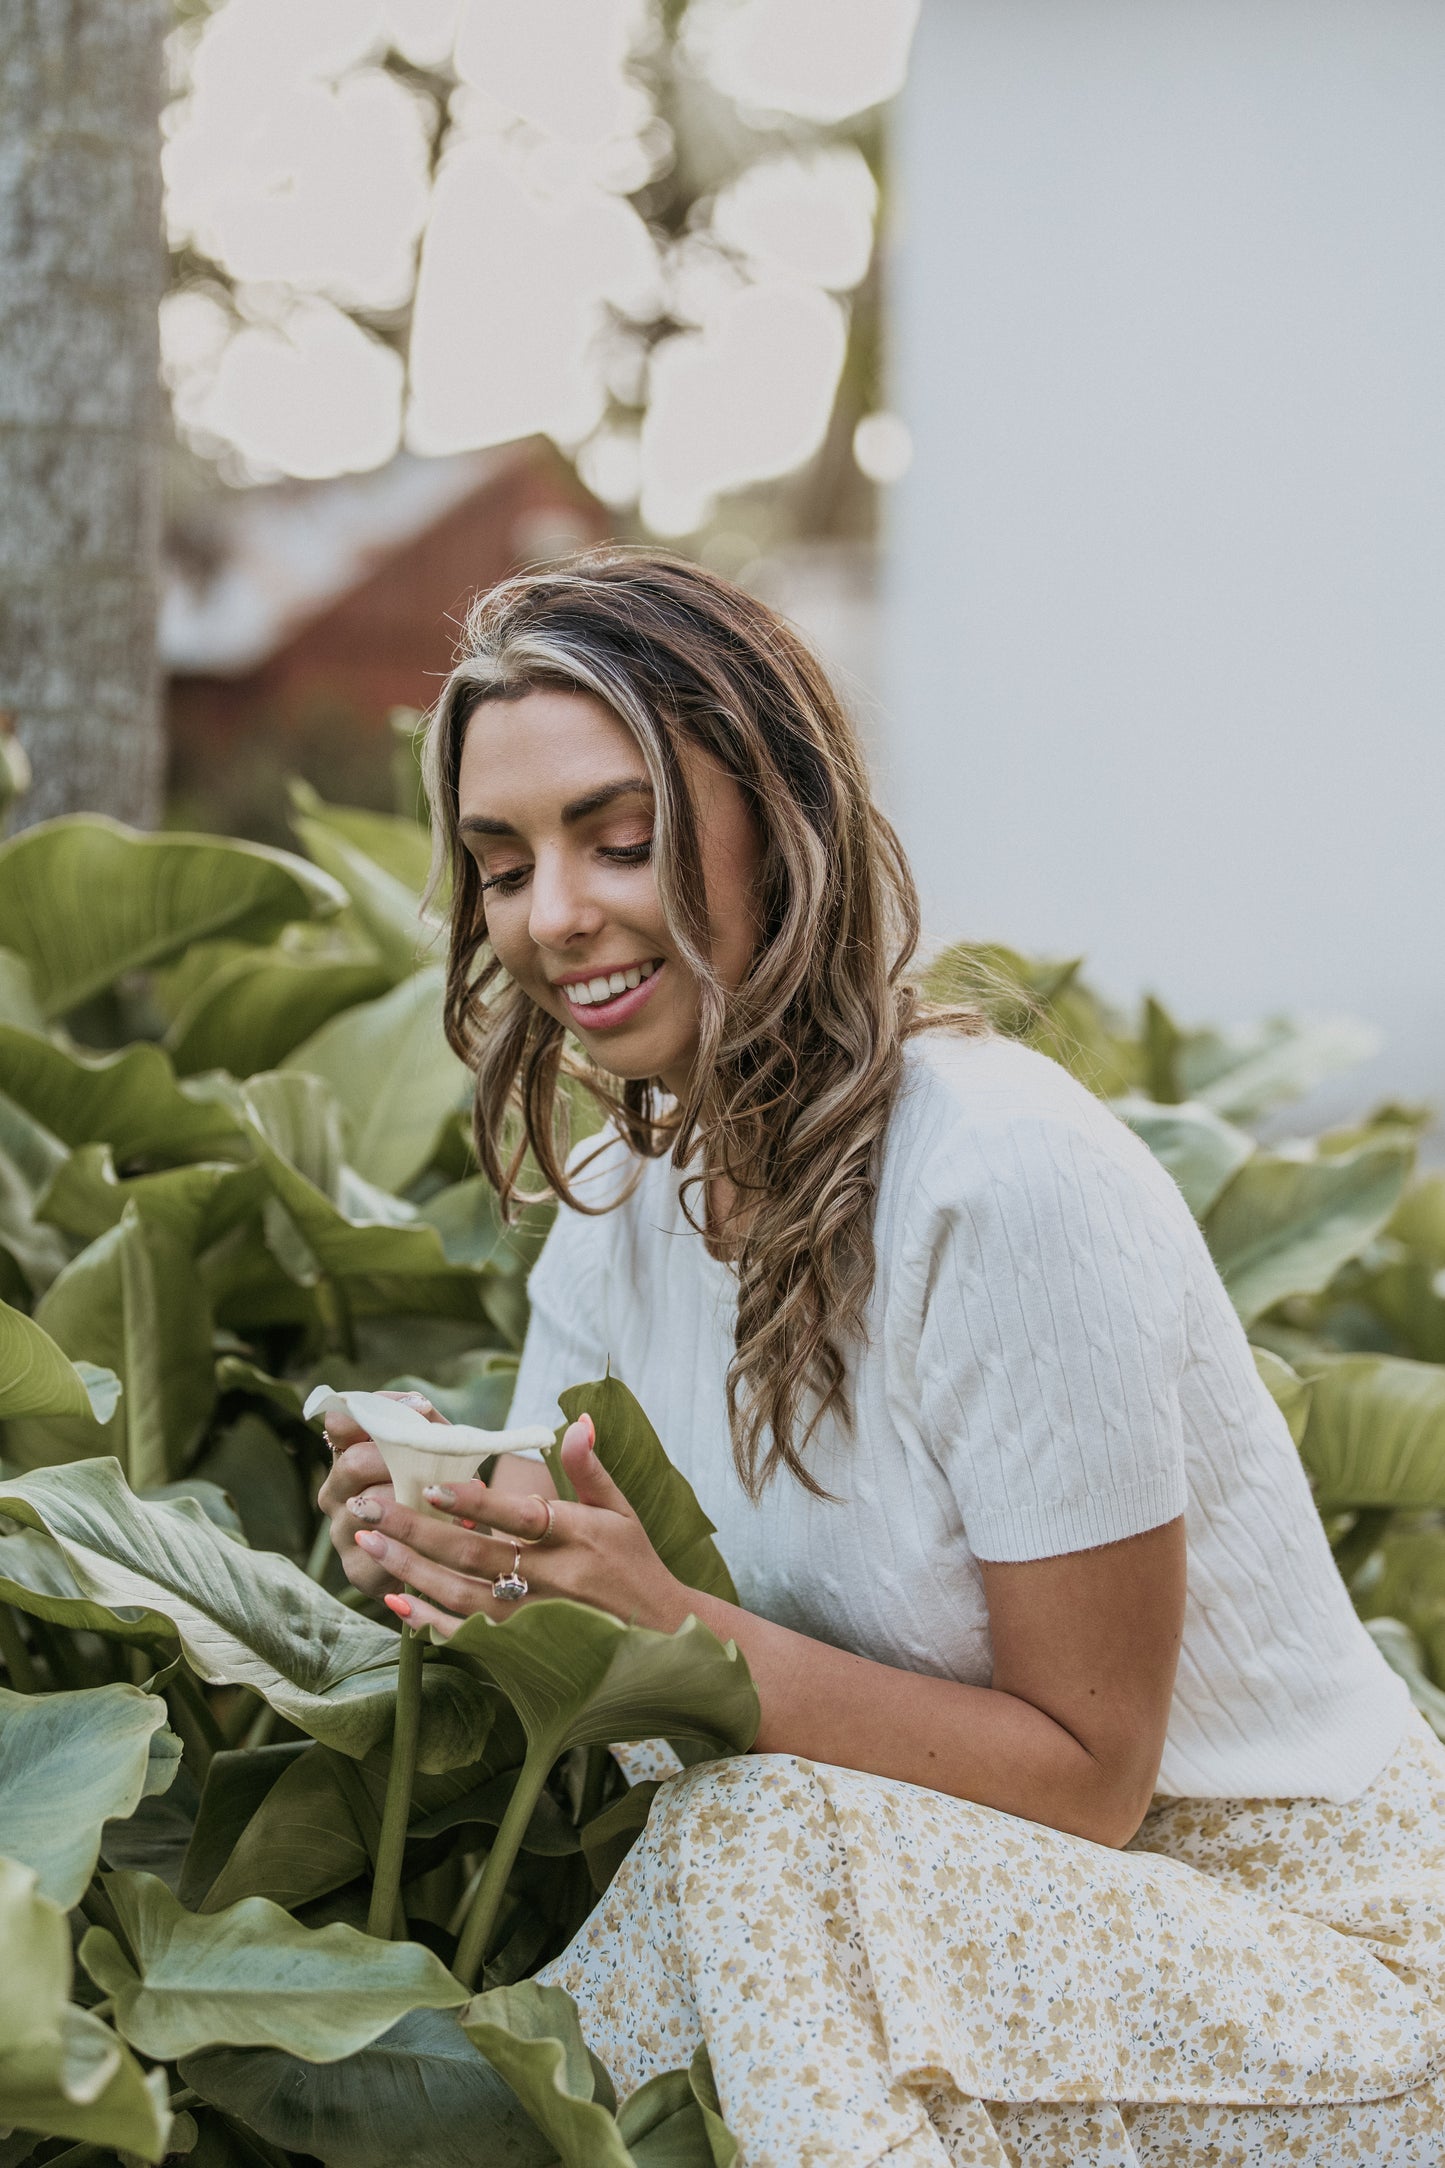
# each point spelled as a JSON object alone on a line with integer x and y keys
{"x": 882, "y": 1973}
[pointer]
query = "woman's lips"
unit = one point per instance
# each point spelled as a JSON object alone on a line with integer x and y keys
{"x": 602, "y": 1015}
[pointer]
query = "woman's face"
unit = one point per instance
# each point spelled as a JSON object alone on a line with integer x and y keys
{"x": 555, "y": 806}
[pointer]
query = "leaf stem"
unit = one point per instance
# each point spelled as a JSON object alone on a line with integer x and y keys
{"x": 206, "y": 1734}
{"x": 19, "y": 1666}
{"x": 319, "y": 1556}
{"x": 396, "y": 1808}
{"x": 472, "y": 1948}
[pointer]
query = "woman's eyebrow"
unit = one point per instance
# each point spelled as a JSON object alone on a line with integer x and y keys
{"x": 576, "y": 809}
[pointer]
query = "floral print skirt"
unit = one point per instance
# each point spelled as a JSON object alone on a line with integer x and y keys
{"x": 881, "y": 1973}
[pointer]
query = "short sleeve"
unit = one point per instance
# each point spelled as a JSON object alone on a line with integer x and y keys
{"x": 1052, "y": 1273}
{"x": 567, "y": 1331}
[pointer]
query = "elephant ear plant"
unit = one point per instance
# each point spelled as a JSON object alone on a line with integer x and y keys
{"x": 239, "y": 1981}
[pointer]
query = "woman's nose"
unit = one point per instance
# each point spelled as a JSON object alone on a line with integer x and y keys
{"x": 563, "y": 908}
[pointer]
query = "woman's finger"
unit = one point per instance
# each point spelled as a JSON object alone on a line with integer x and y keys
{"x": 457, "y": 1587}
{"x": 418, "y": 1613}
{"x": 593, "y": 1485}
{"x": 359, "y": 1468}
{"x": 514, "y": 1514}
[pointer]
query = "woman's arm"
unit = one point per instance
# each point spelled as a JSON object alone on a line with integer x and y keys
{"x": 1085, "y": 1647}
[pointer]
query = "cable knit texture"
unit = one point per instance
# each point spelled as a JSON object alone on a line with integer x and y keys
{"x": 1051, "y": 1363}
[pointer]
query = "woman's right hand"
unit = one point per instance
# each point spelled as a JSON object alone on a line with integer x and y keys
{"x": 356, "y": 1468}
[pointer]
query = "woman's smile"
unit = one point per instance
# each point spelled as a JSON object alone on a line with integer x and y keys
{"x": 599, "y": 1003}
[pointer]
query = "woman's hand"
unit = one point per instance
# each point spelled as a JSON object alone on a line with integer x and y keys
{"x": 358, "y": 1471}
{"x": 595, "y": 1551}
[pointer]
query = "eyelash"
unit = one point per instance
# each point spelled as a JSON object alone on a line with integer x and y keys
{"x": 626, "y": 854}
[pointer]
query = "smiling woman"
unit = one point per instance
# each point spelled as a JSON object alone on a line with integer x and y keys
{"x": 1084, "y": 1821}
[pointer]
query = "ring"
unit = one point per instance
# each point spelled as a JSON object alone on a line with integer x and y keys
{"x": 551, "y": 1506}
{"x": 511, "y": 1587}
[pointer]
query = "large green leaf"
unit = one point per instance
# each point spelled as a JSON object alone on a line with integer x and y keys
{"x": 577, "y": 1677}
{"x": 401, "y": 847}
{"x": 242, "y": 1617}
{"x": 303, "y": 1841}
{"x": 1376, "y": 1433}
{"x": 1401, "y": 1651}
{"x": 29, "y": 1158}
{"x": 237, "y": 1781}
{"x": 63, "y": 2074}
{"x": 386, "y": 1266}
{"x": 1406, "y": 1580}
{"x": 531, "y": 2035}
{"x": 658, "y": 1493}
{"x": 130, "y": 1101}
{"x": 251, "y": 1976}
{"x": 68, "y": 1762}
{"x": 199, "y": 1203}
{"x": 386, "y": 908}
{"x": 1200, "y": 1150}
{"x": 36, "y": 1577}
{"x": 250, "y": 1014}
{"x": 133, "y": 1303}
{"x": 394, "y": 1076}
{"x": 674, "y": 2121}
{"x": 1242, "y": 1074}
{"x": 1420, "y": 1221}
{"x": 84, "y": 900}
{"x": 37, "y": 1378}
{"x": 1285, "y": 1226}
{"x": 421, "y": 2093}
{"x": 1290, "y": 1392}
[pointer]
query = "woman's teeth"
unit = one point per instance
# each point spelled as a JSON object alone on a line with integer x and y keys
{"x": 585, "y": 992}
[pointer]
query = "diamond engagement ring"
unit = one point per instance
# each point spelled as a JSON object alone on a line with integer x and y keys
{"x": 511, "y": 1587}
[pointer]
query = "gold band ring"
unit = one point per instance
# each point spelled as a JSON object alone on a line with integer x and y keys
{"x": 551, "y": 1509}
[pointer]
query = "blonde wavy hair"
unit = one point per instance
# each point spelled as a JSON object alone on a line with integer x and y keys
{"x": 798, "y": 1066}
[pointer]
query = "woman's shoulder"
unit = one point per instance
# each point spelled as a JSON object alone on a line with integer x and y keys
{"x": 983, "y": 1124}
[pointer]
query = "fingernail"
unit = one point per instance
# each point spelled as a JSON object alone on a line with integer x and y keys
{"x": 439, "y": 1494}
{"x": 365, "y": 1509}
{"x": 591, "y": 1430}
{"x": 400, "y": 1604}
{"x": 465, "y": 1524}
{"x": 374, "y": 1545}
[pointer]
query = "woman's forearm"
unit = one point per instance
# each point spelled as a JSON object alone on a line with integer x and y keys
{"x": 971, "y": 1741}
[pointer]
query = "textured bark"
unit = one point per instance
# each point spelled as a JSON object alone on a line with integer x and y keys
{"x": 81, "y": 272}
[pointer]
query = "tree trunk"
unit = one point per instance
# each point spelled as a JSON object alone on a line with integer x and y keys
{"x": 81, "y": 272}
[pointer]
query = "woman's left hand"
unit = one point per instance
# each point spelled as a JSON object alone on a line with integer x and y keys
{"x": 596, "y": 1551}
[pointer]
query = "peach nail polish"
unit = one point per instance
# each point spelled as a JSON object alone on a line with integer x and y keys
{"x": 401, "y": 1605}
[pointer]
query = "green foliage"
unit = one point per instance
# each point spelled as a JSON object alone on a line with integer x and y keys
{"x": 232, "y": 1164}
{"x": 236, "y": 1166}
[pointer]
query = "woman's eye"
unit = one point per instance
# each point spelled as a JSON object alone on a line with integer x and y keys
{"x": 628, "y": 854}
{"x": 506, "y": 884}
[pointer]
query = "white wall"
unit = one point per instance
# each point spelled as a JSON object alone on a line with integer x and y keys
{"x": 1166, "y": 614}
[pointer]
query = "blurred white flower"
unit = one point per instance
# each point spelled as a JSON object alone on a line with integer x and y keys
{"x": 418, "y": 1452}
{"x": 610, "y": 464}
{"x": 560, "y": 64}
{"x": 744, "y": 399}
{"x": 820, "y": 59}
{"x": 883, "y": 447}
{"x": 512, "y": 296}
{"x": 322, "y": 186}
{"x": 810, "y": 217}
{"x": 310, "y": 395}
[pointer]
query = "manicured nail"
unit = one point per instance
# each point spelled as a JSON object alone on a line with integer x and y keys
{"x": 440, "y": 1494}
{"x": 400, "y": 1604}
{"x": 465, "y": 1524}
{"x": 374, "y": 1545}
{"x": 365, "y": 1509}
{"x": 590, "y": 1430}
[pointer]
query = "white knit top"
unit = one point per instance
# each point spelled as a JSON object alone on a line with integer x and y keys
{"x": 1051, "y": 1363}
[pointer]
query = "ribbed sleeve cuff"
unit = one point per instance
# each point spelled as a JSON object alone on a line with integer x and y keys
{"x": 1040, "y": 1530}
